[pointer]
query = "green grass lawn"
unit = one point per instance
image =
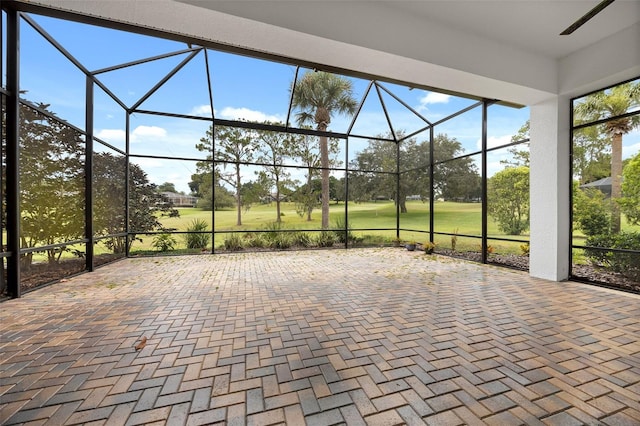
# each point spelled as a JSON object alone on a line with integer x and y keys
{"x": 449, "y": 217}
{"x": 362, "y": 215}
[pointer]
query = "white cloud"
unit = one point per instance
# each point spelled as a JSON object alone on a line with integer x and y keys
{"x": 630, "y": 150}
{"x": 231, "y": 113}
{"x": 494, "y": 141}
{"x": 431, "y": 98}
{"x": 160, "y": 171}
{"x": 434, "y": 98}
{"x": 148, "y": 163}
{"x": 146, "y": 132}
{"x": 494, "y": 167}
{"x": 494, "y": 162}
{"x": 631, "y": 143}
{"x": 112, "y": 136}
{"x": 201, "y": 111}
{"x": 139, "y": 134}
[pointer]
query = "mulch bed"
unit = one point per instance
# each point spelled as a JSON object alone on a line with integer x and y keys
{"x": 587, "y": 273}
{"x": 42, "y": 273}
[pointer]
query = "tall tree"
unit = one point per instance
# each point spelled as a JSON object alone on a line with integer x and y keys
{"x": 453, "y": 179}
{"x": 508, "y": 195}
{"x": 52, "y": 181}
{"x": 591, "y": 155}
{"x": 144, "y": 203}
{"x": 319, "y": 95}
{"x": 613, "y": 102}
{"x": 273, "y": 148}
{"x": 254, "y": 192}
{"x": 630, "y": 202}
{"x": 234, "y": 146}
{"x": 520, "y": 155}
{"x": 306, "y": 149}
{"x": 109, "y": 213}
{"x": 374, "y": 172}
{"x": 211, "y": 194}
{"x": 167, "y": 187}
{"x": 109, "y": 198}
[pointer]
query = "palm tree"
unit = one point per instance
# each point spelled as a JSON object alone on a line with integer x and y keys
{"x": 618, "y": 101}
{"x": 319, "y": 95}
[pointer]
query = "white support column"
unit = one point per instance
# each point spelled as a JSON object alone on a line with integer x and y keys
{"x": 550, "y": 180}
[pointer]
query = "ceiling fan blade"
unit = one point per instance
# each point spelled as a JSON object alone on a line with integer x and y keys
{"x": 593, "y": 12}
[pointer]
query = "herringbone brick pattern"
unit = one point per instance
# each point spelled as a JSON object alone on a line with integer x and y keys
{"x": 371, "y": 336}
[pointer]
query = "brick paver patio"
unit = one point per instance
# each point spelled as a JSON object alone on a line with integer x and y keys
{"x": 371, "y": 336}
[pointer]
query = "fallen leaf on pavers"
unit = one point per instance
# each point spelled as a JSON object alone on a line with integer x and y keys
{"x": 142, "y": 343}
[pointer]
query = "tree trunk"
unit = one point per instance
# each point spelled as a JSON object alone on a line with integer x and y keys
{"x": 403, "y": 206}
{"x": 119, "y": 244}
{"x": 616, "y": 181}
{"x": 25, "y": 259}
{"x": 309, "y": 196}
{"x": 324, "y": 163}
{"x": 278, "y": 199}
{"x": 238, "y": 198}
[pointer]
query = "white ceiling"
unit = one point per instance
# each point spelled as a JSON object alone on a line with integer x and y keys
{"x": 530, "y": 25}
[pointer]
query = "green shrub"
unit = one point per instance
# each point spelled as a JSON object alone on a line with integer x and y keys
{"x": 301, "y": 239}
{"x": 281, "y": 241}
{"x": 325, "y": 239}
{"x": 342, "y": 231}
{"x": 454, "y": 239}
{"x": 599, "y": 254}
{"x": 591, "y": 212}
{"x": 272, "y": 229}
{"x": 626, "y": 263}
{"x": 276, "y": 238}
{"x": 197, "y": 241}
{"x": 370, "y": 240}
{"x": 630, "y": 201}
{"x": 233, "y": 242}
{"x": 255, "y": 240}
{"x": 508, "y": 195}
{"x": 164, "y": 242}
{"x": 429, "y": 247}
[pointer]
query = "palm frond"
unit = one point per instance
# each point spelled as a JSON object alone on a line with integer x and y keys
{"x": 303, "y": 118}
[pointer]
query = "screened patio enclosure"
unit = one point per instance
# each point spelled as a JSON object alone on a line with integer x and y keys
{"x": 103, "y": 127}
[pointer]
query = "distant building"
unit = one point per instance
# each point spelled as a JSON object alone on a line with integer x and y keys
{"x": 273, "y": 197}
{"x": 179, "y": 200}
{"x": 603, "y": 185}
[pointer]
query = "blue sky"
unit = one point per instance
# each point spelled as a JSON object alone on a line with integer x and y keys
{"x": 243, "y": 88}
